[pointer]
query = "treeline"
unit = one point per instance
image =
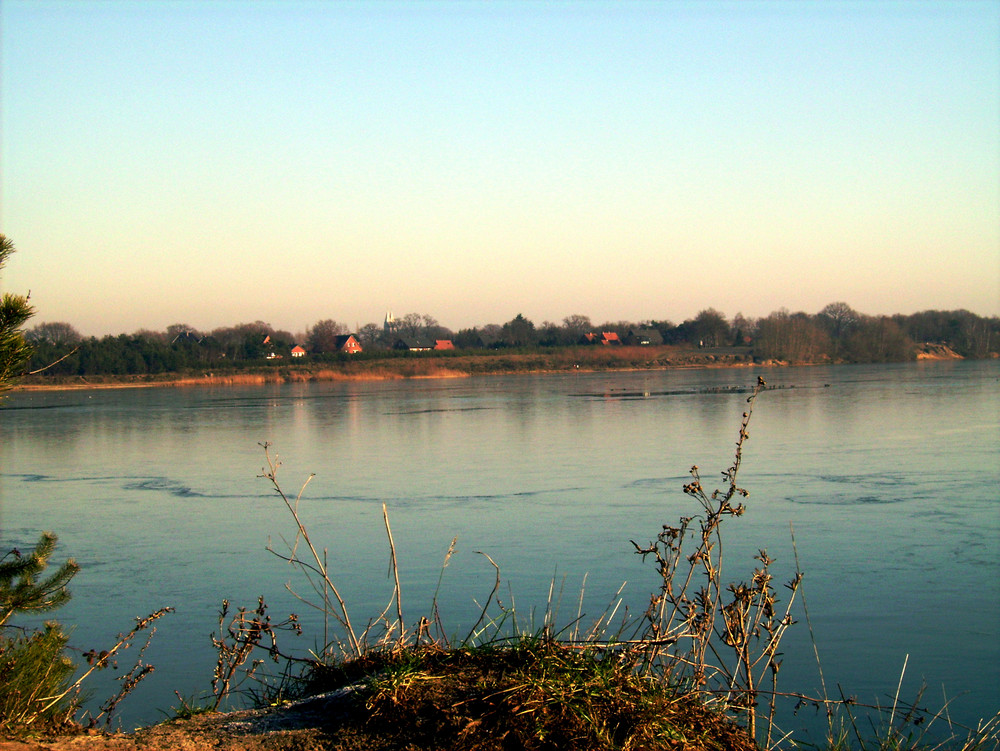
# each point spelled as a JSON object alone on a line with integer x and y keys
{"x": 837, "y": 333}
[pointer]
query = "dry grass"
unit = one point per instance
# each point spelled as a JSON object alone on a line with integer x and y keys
{"x": 532, "y": 694}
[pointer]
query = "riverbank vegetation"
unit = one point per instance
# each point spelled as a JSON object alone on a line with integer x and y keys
{"x": 417, "y": 346}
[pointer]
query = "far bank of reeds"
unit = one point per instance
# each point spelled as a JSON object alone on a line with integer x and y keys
{"x": 416, "y": 365}
{"x": 455, "y": 364}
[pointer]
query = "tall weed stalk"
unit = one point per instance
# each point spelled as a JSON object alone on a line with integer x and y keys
{"x": 716, "y": 638}
{"x": 348, "y": 640}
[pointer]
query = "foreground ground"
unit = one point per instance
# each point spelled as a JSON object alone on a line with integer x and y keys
{"x": 314, "y": 725}
{"x": 539, "y": 696}
{"x": 295, "y": 728}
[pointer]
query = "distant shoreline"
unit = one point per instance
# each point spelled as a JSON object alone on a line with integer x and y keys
{"x": 567, "y": 360}
{"x": 587, "y": 360}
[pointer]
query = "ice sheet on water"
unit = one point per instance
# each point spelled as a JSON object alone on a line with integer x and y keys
{"x": 856, "y": 490}
{"x": 165, "y": 485}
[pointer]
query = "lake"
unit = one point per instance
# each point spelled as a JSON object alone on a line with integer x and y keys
{"x": 887, "y": 476}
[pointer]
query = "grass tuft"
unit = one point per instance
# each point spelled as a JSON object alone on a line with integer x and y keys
{"x": 530, "y": 693}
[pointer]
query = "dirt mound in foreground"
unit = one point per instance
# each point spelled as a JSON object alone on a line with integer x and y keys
{"x": 538, "y": 698}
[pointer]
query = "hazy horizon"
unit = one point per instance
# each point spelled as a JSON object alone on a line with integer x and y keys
{"x": 354, "y": 326}
{"x": 217, "y": 163}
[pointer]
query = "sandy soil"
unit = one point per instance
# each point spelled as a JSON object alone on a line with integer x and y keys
{"x": 296, "y": 727}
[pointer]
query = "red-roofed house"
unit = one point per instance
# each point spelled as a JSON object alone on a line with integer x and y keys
{"x": 347, "y": 343}
{"x": 605, "y": 337}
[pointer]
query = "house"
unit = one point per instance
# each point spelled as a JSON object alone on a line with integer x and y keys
{"x": 605, "y": 337}
{"x": 644, "y": 337}
{"x": 444, "y": 344}
{"x": 186, "y": 337}
{"x": 298, "y": 351}
{"x": 413, "y": 345}
{"x": 348, "y": 344}
{"x": 271, "y": 354}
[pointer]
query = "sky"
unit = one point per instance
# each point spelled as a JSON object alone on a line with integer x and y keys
{"x": 213, "y": 163}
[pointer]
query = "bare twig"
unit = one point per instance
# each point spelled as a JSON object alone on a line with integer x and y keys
{"x": 342, "y": 616}
{"x": 101, "y": 660}
{"x": 53, "y": 363}
{"x": 397, "y": 592}
{"x": 496, "y": 587}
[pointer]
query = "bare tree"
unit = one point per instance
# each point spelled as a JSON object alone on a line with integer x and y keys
{"x": 322, "y": 336}
{"x": 175, "y": 330}
{"x": 841, "y": 317}
{"x": 491, "y": 334}
{"x": 790, "y": 336}
{"x": 410, "y": 325}
{"x": 710, "y": 326}
{"x": 57, "y": 333}
{"x": 742, "y": 329}
{"x": 370, "y": 334}
{"x": 878, "y": 339}
{"x": 576, "y": 325}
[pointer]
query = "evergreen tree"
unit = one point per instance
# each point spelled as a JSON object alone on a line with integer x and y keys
{"x": 20, "y": 590}
{"x": 34, "y": 669}
{"x": 14, "y": 312}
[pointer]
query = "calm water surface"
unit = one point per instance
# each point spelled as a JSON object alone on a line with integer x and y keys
{"x": 887, "y": 476}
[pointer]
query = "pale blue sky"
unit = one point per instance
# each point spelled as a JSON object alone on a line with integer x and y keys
{"x": 220, "y": 162}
